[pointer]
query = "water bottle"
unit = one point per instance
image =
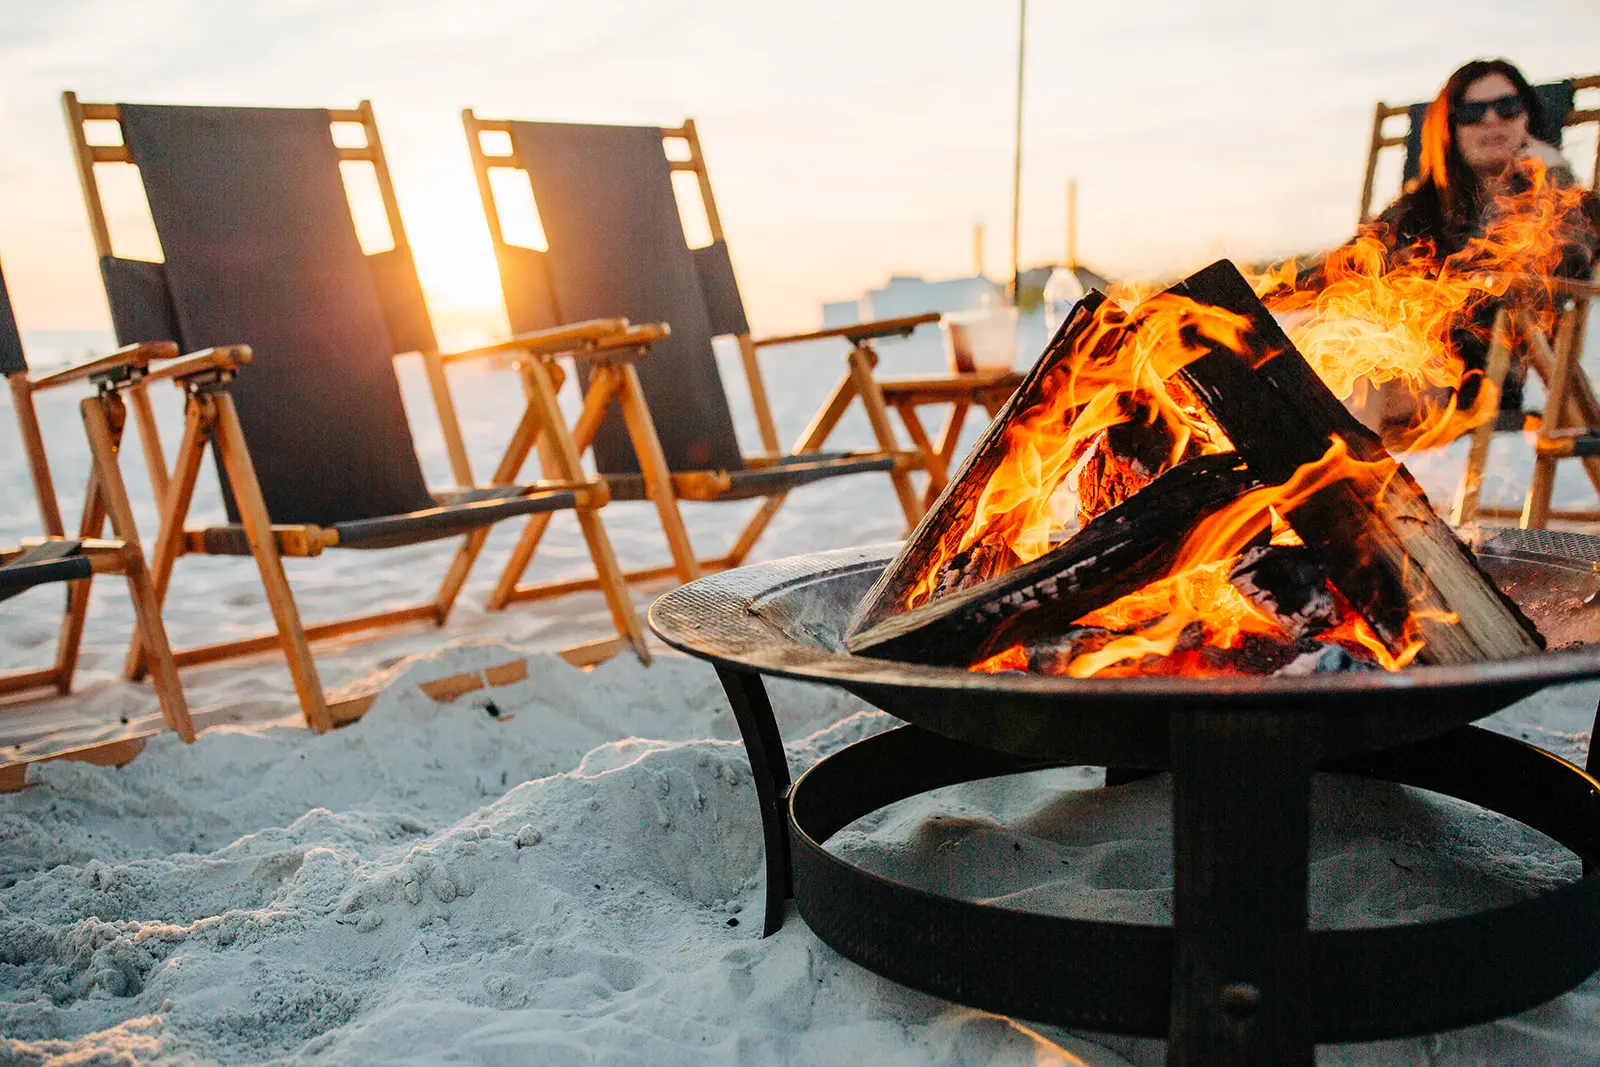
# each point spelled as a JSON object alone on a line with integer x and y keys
{"x": 1061, "y": 292}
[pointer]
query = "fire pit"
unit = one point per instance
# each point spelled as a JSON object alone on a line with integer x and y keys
{"x": 1238, "y": 977}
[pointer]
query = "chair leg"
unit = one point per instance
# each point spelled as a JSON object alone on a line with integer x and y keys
{"x": 77, "y": 613}
{"x": 862, "y": 360}
{"x": 1465, "y": 509}
{"x": 197, "y": 426}
{"x": 103, "y": 421}
{"x": 828, "y": 416}
{"x": 149, "y": 439}
{"x": 562, "y": 454}
{"x": 258, "y": 530}
{"x": 456, "y": 576}
{"x": 932, "y": 458}
{"x": 949, "y": 436}
{"x": 657, "y": 476}
{"x": 755, "y": 528}
{"x": 1536, "y": 508}
{"x": 521, "y": 555}
{"x": 44, "y": 490}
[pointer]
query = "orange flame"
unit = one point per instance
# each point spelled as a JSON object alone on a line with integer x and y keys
{"x": 1378, "y": 319}
{"x": 1079, "y": 399}
{"x": 1377, "y": 324}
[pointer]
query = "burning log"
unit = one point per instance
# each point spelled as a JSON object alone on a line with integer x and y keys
{"x": 1399, "y": 565}
{"x": 1127, "y": 457}
{"x": 1290, "y": 584}
{"x": 936, "y": 535}
{"x": 1122, "y": 550}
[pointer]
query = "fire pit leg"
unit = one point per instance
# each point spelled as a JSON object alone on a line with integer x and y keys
{"x": 1241, "y": 800}
{"x": 1591, "y": 764}
{"x": 770, "y": 769}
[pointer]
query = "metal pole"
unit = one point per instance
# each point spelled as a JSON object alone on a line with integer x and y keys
{"x": 1072, "y": 223}
{"x": 1016, "y": 164}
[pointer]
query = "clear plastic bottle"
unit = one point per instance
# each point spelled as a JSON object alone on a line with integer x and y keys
{"x": 1061, "y": 292}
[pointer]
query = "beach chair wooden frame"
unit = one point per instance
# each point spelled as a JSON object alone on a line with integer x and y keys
{"x": 212, "y": 419}
{"x": 1568, "y": 426}
{"x": 56, "y": 558}
{"x": 1383, "y": 138}
{"x": 1571, "y": 414}
{"x": 778, "y": 469}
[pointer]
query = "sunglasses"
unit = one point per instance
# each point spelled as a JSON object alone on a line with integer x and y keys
{"x": 1472, "y": 112}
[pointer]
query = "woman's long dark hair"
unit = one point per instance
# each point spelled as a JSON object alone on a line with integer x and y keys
{"x": 1454, "y": 185}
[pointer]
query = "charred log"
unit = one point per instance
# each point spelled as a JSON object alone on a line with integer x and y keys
{"x": 1082, "y": 337}
{"x": 1127, "y": 457}
{"x": 1290, "y": 584}
{"x": 1124, "y": 549}
{"x": 1385, "y": 549}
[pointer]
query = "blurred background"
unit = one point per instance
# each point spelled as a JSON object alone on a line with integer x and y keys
{"x": 847, "y": 142}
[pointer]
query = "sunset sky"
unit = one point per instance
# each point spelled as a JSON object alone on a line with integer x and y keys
{"x": 846, "y": 141}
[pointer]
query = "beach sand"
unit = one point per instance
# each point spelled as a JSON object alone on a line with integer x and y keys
{"x": 568, "y": 870}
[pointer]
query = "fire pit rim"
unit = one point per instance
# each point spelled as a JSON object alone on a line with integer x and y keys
{"x": 747, "y": 640}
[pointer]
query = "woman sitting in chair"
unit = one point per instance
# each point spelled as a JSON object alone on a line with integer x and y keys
{"x": 1486, "y": 146}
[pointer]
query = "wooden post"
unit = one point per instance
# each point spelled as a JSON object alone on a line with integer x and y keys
{"x": 102, "y": 421}
{"x": 257, "y": 525}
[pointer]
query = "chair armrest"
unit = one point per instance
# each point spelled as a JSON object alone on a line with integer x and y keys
{"x": 224, "y": 358}
{"x": 861, "y": 331}
{"x": 132, "y": 357}
{"x": 628, "y": 346}
{"x": 555, "y": 341}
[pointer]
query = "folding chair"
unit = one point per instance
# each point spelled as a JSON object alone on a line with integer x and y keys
{"x": 616, "y": 241}
{"x": 313, "y": 446}
{"x": 55, "y": 558}
{"x": 1571, "y": 416}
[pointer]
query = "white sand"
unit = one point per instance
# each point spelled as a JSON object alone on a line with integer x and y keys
{"x": 577, "y": 878}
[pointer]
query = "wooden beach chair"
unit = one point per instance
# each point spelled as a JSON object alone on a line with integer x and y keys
{"x": 1569, "y": 425}
{"x": 616, "y": 241}
{"x": 56, "y": 558}
{"x": 313, "y": 446}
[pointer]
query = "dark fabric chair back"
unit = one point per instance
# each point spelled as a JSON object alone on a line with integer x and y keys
{"x": 12, "y": 360}
{"x": 260, "y": 249}
{"x": 1555, "y": 100}
{"x": 617, "y": 247}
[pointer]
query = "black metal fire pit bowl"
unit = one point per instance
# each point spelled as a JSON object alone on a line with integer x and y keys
{"x": 1238, "y": 978}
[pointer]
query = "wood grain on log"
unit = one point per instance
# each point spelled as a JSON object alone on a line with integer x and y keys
{"x": 1384, "y": 547}
{"x": 1124, "y": 549}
